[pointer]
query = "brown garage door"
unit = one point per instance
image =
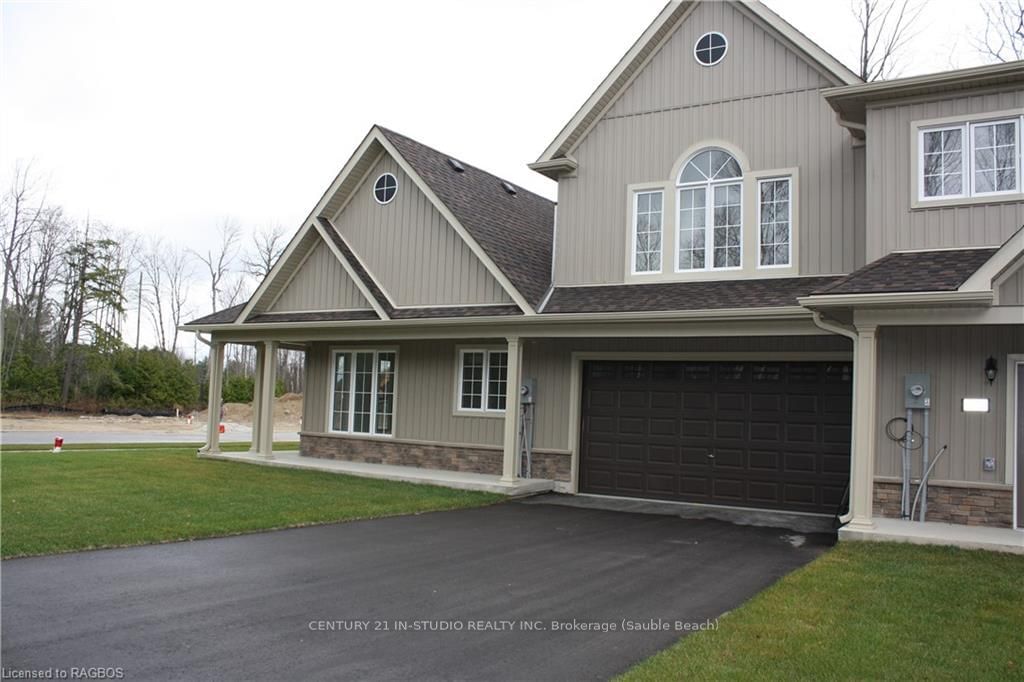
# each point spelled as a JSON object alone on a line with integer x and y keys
{"x": 753, "y": 434}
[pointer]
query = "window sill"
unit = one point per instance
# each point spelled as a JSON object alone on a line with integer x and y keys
{"x": 985, "y": 199}
{"x": 361, "y": 436}
{"x": 489, "y": 414}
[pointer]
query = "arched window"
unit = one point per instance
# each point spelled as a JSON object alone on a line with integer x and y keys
{"x": 710, "y": 230}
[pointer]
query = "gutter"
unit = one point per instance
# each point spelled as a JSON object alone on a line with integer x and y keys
{"x": 850, "y": 333}
{"x": 900, "y": 298}
{"x": 726, "y": 314}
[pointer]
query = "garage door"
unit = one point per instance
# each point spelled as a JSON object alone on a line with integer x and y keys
{"x": 753, "y": 434}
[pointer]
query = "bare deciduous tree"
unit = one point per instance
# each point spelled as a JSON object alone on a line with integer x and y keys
{"x": 220, "y": 259}
{"x": 885, "y": 28}
{"x": 1003, "y": 38}
{"x": 268, "y": 245}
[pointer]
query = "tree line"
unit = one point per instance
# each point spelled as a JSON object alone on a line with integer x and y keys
{"x": 69, "y": 285}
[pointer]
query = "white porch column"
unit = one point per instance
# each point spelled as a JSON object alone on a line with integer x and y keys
{"x": 257, "y": 410}
{"x": 510, "y": 460}
{"x": 865, "y": 372}
{"x": 215, "y": 379}
{"x": 268, "y": 380}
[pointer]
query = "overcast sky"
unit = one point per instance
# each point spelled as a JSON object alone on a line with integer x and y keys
{"x": 166, "y": 117}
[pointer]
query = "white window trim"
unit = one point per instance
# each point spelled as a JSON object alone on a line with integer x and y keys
{"x": 373, "y": 394}
{"x": 483, "y": 410}
{"x": 634, "y": 234}
{"x": 373, "y": 188}
{"x": 967, "y": 125}
{"x": 709, "y": 228}
{"x": 789, "y": 221}
{"x": 965, "y": 168}
{"x": 974, "y": 126}
{"x": 717, "y": 61}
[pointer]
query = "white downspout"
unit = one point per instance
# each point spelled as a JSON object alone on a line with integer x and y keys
{"x": 850, "y": 333}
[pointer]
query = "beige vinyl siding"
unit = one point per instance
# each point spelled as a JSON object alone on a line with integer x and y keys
{"x": 408, "y": 246}
{"x": 756, "y": 63}
{"x": 762, "y": 99}
{"x": 955, "y": 358}
{"x": 320, "y": 283}
{"x": 314, "y": 400}
{"x": 892, "y": 183}
{"x": 776, "y": 131}
{"x": 1011, "y": 289}
{"x": 286, "y": 270}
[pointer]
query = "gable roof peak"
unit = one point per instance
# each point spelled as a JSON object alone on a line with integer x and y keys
{"x": 646, "y": 46}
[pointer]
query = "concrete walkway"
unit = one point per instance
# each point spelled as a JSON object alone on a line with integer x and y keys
{"x": 449, "y": 479}
{"x": 931, "y": 533}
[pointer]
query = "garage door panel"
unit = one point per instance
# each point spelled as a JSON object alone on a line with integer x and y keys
{"x": 779, "y": 431}
{"x": 632, "y": 426}
{"x": 660, "y": 426}
{"x": 765, "y": 493}
{"x": 730, "y": 430}
{"x": 631, "y": 452}
{"x": 765, "y": 402}
{"x": 799, "y": 463}
{"x": 661, "y": 484}
{"x": 726, "y": 458}
{"x": 801, "y": 433}
{"x": 663, "y": 454}
{"x": 763, "y": 460}
{"x": 728, "y": 489}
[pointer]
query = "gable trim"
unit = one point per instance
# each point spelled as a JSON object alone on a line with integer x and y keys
{"x": 650, "y": 44}
{"x": 275, "y": 271}
{"x": 363, "y": 289}
{"x": 473, "y": 245}
{"x": 984, "y": 277}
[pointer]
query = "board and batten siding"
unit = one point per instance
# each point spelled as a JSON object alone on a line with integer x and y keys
{"x": 763, "y": 99}
{"x": 425, "y": 396}
{"x": 892, "y": 223}
{"x": 320, "y": 283}
{"x": 955, "y": 357}
{"x": 413, "y": 252}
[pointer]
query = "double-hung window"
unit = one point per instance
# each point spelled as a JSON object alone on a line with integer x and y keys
{"x": 775, "y": 222}
{"x": 363, "y": 391}
{"x": 647, "y": 218}
{"x": 483, "y": 380}
{"x": 710, "y": 227}
{"x": 969, "y": 159}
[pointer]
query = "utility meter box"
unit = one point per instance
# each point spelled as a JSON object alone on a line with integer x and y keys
{"x": 917, "y": 391}
{"x": 528, "y": 391}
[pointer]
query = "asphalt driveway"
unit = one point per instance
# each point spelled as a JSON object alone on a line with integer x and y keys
{"x": 470, "y": 594}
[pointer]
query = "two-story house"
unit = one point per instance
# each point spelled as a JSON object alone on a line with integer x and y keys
{"x": 757, "y": 265}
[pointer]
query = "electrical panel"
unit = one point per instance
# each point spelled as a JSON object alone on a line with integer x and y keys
{"x": 917, "y": 391}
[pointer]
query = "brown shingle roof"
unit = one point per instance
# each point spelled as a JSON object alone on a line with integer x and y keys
{"x": 225, "y": 316}
{"x": 515, "y": 231}
{"x": 912, "y": 271}
{"x": 680, "y": 296}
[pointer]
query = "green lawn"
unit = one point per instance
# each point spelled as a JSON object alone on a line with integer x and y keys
{"x": 867, "y": 611}
{"x": 89, "y": 498}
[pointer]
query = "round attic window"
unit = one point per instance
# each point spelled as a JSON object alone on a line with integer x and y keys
{"x": 710, "y": 48}
{"x": 385, "y": 187}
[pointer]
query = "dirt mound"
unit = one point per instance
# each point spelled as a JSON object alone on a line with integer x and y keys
{"x": 287, "y": 411}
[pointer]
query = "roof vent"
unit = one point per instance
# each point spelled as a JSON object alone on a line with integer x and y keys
{"x": 456, "y": 166}
{"x": 509, "y": 188}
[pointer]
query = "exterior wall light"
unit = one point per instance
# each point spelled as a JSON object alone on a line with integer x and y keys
{"x": 974, "y": 404}
{"x": 991, "y": 369}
